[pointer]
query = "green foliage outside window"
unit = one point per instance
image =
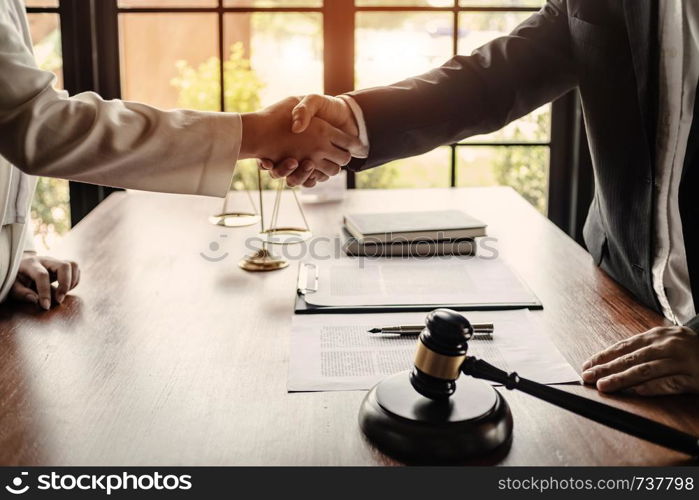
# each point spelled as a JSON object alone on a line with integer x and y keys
{"x": 525, "y": 168}
{"x": 50, "y": 211}
{"x": 50, "y": 208}
{"x": 199, "y": 89}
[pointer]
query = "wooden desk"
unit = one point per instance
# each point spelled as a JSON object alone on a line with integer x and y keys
{"x": 161, "y": 357}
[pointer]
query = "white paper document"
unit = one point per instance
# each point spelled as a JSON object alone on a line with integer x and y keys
{"x": 334, "y": 352}
{"x": 406, "y": 281}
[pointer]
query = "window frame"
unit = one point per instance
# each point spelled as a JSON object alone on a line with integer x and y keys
{"x": 91, "y": 62}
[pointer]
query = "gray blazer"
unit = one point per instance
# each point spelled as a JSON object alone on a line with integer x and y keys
{"x": 605, "y": 48}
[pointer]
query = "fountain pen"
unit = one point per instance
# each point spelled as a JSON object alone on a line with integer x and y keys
{"x": 407, "y": 330}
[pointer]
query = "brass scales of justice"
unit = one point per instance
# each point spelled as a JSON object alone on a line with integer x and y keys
{"x": 264, "y": 259}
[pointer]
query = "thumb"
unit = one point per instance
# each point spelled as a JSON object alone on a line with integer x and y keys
{"x": 304, "y": 111}
{"x": 22, "y": 292}
{"x": 265, "y": 164}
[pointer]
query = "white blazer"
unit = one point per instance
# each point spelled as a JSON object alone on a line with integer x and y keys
{"x": 43, "y": 132}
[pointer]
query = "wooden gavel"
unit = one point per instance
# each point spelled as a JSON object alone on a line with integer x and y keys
{"x": 442, "y": 356}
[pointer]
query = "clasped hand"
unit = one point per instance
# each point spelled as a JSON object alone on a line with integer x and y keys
{"x": 305, "y": 140}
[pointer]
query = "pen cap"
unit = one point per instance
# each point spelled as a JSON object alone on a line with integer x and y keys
{"x": 441, "y": 350}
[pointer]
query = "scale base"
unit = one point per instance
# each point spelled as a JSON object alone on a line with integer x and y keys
{"x": 474, "y": 423}
{"x": 262, "y": 261}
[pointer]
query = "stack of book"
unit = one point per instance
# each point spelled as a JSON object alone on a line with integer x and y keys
{"x": 411, "y": 234}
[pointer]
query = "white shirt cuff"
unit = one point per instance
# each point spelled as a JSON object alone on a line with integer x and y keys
{"x": 226, "y": 136}
{"x": 361, "y": 125}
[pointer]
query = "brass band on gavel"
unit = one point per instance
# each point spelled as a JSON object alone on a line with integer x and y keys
{"x": 437, "y": 365}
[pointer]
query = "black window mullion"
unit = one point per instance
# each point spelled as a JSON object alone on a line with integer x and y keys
{"x": 452, "y": 174}
{"x": 571, "y": 180}
{"x": 42, "y": 10}
{"x": 106, "y": 50}
{"x": 77, "y": 62}
{"x": 560, "y": 173}
{"x": 455, "y": 51}
{"x": 90, "y": 49}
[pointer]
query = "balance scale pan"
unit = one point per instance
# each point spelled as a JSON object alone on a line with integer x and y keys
{"x": 285, "y": 235}
{"x": 234, "y": 219}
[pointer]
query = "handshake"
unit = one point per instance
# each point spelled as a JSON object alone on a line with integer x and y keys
{"x": 306, "y": 140}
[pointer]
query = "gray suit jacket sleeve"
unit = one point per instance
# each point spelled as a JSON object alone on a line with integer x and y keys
{"x": 480, "y": 93}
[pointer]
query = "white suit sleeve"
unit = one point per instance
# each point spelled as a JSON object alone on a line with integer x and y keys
{"x": 113, "y": 143}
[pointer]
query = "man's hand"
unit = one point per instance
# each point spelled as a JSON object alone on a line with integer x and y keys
{"x": 663, "y": 360}
{"x": 333, "y": 110}
{"x": 267, "y": 134}
{"x": 33, "y": 283}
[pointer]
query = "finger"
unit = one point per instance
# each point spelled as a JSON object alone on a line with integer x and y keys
{"x": 301, "y": 174}
{"x": 304, "y": 111}
{"x": 338, "y": 156}
{"x": 284, "y": 168}
{"x": 316, "y": 177}
{"x": 64, "y": 276}
{"x": 20, "y": 291}
{"x": 620, "y": 348}
{"x": 624, "y": 362}
{"x": 675, "y": 384}
{"x": 328, "y": 168}
{"x": 42, "y": 282}
{"x": 77, "y": 279}
{"x": 265, "y": 164}
{"x": 320, "y": 176}
{"x": 345, "y": 141}
{"x": 637, "y": 375}
{"x": 311, "y": 182}
{"x": 75, "y": 273}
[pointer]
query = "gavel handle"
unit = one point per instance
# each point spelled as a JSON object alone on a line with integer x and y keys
{"x": 610, "y": 416}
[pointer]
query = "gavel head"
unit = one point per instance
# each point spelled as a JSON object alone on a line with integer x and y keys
{"x": 441, "y": 350}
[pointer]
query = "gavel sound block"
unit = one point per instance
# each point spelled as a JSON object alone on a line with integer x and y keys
{"x": 426, "y": 414}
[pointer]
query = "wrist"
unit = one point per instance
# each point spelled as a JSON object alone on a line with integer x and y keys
{"x": 250, "y": 143}
{"x": 359, "y": 122}
{"x": 351, "y": 125}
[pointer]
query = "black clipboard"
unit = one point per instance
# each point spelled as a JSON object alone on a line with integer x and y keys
{"x": 303, "y": 307}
